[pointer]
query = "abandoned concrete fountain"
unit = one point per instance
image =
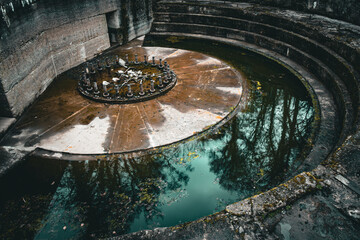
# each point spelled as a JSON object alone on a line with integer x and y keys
{"x": 169, "y": 119}
{"x": 126, "y": 81}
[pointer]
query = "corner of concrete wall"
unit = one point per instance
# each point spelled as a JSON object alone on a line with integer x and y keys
{"x": 42, "y": 39}
{"x": 31, "y": 66}
{"x": 133, "y": 19}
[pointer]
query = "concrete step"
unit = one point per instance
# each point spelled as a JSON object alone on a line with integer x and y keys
{"x": 338, "y": 64}
{"x": 297, "y": 29}
{"x": 342, "y": 37}
{"x": 319, "y": 69}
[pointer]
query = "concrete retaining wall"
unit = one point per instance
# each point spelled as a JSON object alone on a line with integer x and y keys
{"x": 348, "y": 10}
{"x": 326, "y": 47}
{"x": 43, "y": 38}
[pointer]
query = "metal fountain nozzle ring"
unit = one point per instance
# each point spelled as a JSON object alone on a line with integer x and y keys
{"x": 122, "y": 82}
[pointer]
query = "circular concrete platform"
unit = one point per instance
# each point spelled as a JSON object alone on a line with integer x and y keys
{"x": 64, "y": 121}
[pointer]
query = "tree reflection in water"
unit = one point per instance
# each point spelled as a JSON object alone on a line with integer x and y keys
{"x": 264, "y": 141}
{"x": 109, "y": 195}
{"x": 252, "y": 152}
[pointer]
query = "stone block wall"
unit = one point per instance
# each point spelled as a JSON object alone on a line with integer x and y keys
{"x": 40, "y": 39}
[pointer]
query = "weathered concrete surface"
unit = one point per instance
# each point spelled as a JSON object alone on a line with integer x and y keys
{"x": 328, "y": 214}
{"x": 28, "y": 71}
{"x": 53, "y": 52}
{"x": 5, "y": 124}
{"x": 63, "y": 121}
{"x": 326, "y": 210}
{"x": 217, "y": 226}
{"x": 42, "y": 39}
{"x": 326, "y": 47}
{"x": 333, "y": 212}
{"x": 275, "y": 198}
{"x": 9, "y": 157}
{"x": 347, "y": 10}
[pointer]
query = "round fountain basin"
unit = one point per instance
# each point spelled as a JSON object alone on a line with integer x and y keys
{"x": 62, "y": 121}
{"x": 262, "y": 144}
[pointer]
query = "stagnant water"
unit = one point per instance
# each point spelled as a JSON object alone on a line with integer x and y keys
{"x": 51, "y": 199}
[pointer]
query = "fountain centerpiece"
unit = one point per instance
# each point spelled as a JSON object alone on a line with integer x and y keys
{"x": 126, "y": 81}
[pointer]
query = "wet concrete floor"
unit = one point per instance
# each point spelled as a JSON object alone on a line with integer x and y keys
{"x": 62, "y": 120}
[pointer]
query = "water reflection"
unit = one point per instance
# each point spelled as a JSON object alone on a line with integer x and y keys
{"x": 263, "y": 142}
{"x": 251, "y": 153}
{"x": 52, "y": 199}
{"x": 109, "y": 195}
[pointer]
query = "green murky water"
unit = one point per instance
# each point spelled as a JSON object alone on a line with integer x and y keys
{"x": 261, "y": 146}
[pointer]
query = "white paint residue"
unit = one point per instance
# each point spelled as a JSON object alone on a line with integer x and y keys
{"x": 25, "y": 133}
{"x": 177, "y": 53}
{"x": 232, "y": 90}
{"x": 208, "y": 61}
{"x": 141, "y": 38}
{"x": 162, "y": 53}
{"x": 57, "y": 155}
{"x": 342, "y": 180}
{"x": 179, "y": 125}
{"x": 152, "y": 143}
{"x": 83, "y": 52}
{"x": 285, "y": 230}
{"x": 24, "y": 136}
{"x": 152, "y": 51}
{"x": 80, "y": 138}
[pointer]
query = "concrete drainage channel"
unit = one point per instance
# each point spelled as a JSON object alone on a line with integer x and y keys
{"x": 305, "y": 205}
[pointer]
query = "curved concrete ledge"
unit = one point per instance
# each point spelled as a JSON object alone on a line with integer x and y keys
{"x": 325, "y": 107}
{"x": 347, "y": 10}
{"x": 42, "y": 39}
{"x": 310, "y": 52}
{"x": 327, "y": 48}
{"x": 321, "y": 34}
{"x": 338, "y": 64}
{"x": 320, "y": 70}
{"x": 339, "y": 36}
{"x": 275, "y": 198}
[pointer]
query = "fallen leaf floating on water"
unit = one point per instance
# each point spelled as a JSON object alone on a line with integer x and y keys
{"x": 191, "y": 153}
{"x": 262, "y": 172}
